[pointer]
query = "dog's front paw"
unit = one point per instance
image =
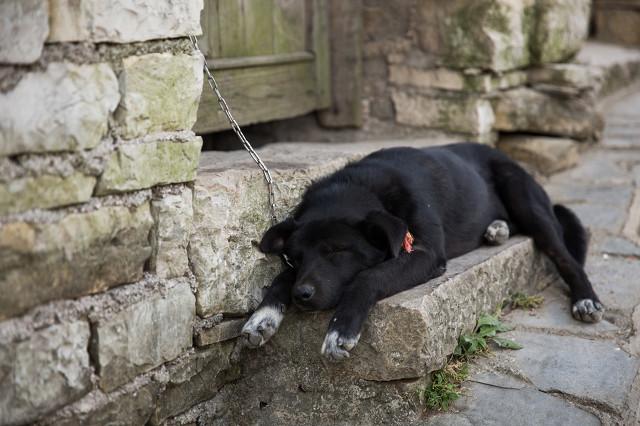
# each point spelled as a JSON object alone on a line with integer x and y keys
{"x": 262, "y": 325}
{"x": 587, "y": 310}
{"x": 336, "y": 346}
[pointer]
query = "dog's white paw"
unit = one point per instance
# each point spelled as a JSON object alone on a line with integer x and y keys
{"x": 587, "y": 310}
{"x": 336, "y": 347}
{"x": 262, "y": 325}
{"x": 497, "y": 233}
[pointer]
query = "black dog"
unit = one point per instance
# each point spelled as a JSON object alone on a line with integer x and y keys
{"x": 392, "y": 220}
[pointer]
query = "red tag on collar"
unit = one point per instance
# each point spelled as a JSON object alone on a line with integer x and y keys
{"x": 407, "y": 244}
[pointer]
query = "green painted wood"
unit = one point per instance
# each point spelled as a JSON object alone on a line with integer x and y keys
{"x": 346, "y": 65}
{"x": 320, "y": 37}
{"x": 258, "y": 94}
{"x": 258, "y": 26}
{"x": 209, "y": 41}
{"x": 231, "y": 29}
{"x": 289, "y": 26}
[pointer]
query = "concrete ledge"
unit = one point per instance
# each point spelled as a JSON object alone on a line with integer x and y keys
{"x": 406, "y": 337}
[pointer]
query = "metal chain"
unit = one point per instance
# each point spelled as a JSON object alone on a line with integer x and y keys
{"x": 238, "y": 131}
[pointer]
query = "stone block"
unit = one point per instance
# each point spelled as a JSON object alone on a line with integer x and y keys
{"x": 454, "y": 80}
{"x": 406, "y": 336}
{"x": 487, "y": 34}
{"x": 557, "y": 363}
{"x": 160, "y": 92}
{"x": 142, "y": 335}
{"x": 71, "y": 255}
{"x": 145, "y": 164}
{"x": 24, "y": 26}
{"x": 546, "y": 155}
{"x": 194, "y": 378}
{"x": 172, "y": 212}
{"x": 226, "y": 330}
{"x": 459, "y": 114}
{"x": 561, "y": 29}
{"x": 571, "y": 75}
{"x": 45, "y": 191}
{"x": 64, "y": 108}
{"x": 123, "y": 21}
{"x": 44, "y": 372}
{"x": 526, "y": 110}
{"x": 131, "y": 404}
{"x": 231, "y": 213}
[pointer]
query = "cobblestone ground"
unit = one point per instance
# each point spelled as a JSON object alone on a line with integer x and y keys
{"x": 570, "y": 373}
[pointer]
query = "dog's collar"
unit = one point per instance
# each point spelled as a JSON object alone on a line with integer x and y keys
{"x": 407, "y": 244}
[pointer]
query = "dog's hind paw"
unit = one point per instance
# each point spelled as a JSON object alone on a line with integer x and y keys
{"x": 587, "y": 310}
{"x": 262, "y": 325}
{"x": 497, "y": 233}
{"x": 336, "y": 347}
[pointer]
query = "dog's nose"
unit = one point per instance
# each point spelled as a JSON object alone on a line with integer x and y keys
{"x": 304, "y": 292}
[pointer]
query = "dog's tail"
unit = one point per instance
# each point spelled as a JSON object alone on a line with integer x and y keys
{"x": 576, "y": 237}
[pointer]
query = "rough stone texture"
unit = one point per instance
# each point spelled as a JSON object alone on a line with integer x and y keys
{"x": 24, "y": 25}
{"x": 449, "y": 79}
{"x": 46, "y": 371}
{"x": 602, "y": 208}
{"x": 487, "y": 404}
{"x": 546, "y": 155}
{"x": 145, "y": 164}
{"x": 561, "y": 28}
{"x": 79, "y": 254}
{"x": 172, "y": 213}
{"x": 143, "y": 335}
{"x": 406, "y": 336}
{"x": 554, "y": 315}
{"x": 220, "y": 332}
{"x": 64, "y": 108}
{"x": 231, "y": 213}
{"x": 615, "y": 280}
{"x": 130, "y": 405}
{"x": 194, "y": 378}
{"x": 45, "y": 191}
{"x": 123, "y": 21}
{"x": 563, "y": 76}
{"x": 160, "y": 91}
{"x": 619, "y": 66}
{"x": 465, "y": 114}
{"x": 559, "y": 363}
{"x": 490, "y": 34}
{"x": 526, "y": 110}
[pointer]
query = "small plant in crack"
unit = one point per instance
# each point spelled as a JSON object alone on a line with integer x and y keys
{"x": 446, "y": 383}
{"x": 524, "y": 301}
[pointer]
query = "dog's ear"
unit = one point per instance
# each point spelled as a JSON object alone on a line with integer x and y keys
{"x": 274, "y": 239}
{"x": 385, "y": 231}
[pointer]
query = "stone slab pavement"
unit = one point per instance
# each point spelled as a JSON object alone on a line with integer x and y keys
{"x": 569, "y": 373}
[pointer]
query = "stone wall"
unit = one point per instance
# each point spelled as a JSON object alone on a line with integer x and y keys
{"x": 481, "y": 68}
{"x": 97, "y": 160}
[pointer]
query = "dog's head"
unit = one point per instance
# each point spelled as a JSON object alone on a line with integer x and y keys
{"x": 327, "y": 254}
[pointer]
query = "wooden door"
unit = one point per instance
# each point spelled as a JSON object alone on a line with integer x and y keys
{"x": 269, "y": 57}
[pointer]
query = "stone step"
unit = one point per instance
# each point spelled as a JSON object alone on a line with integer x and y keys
{"x": 615, "y": 66}
{"x": 406, "y": 336}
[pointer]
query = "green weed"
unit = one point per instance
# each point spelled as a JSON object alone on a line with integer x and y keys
{"x": 446, "y": 383}
{"x": 523, "y": 301}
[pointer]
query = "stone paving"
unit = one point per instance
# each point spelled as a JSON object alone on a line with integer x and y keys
{"x": 569, "y": 373}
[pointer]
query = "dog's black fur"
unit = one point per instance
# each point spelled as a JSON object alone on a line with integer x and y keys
{"x": 345, "y": 238}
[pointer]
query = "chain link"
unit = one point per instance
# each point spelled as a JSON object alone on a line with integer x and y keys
{"x": 245, "y": 143}
{"x": 238, "y": 131}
